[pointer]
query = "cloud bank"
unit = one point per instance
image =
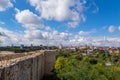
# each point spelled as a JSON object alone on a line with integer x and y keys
{"x": 38, "y": 37}
{"x": 35, "y": 32}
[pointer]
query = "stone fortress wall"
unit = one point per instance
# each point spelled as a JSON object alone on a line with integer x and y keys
{"x": 30, "y": 66}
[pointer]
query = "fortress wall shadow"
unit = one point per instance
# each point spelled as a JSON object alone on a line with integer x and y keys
{"x": 30, "y": 67}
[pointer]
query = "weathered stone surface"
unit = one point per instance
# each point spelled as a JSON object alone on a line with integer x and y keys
{"x": 49, "y": 62}
{"x": 30, "y": 67}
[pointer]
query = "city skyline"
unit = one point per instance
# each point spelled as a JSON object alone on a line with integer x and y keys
{"x": 55, "y": 22}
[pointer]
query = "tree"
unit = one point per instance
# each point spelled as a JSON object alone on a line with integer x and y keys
{"x": 72, "y": 65}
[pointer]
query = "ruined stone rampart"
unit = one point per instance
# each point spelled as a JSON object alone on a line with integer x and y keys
{"x": 28, "y": 67}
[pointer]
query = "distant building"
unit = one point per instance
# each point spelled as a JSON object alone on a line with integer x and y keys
{"x": 12, "y": 45}
{"x": 113, "y": 50}
{"x": 109, "y": 64}
{"x": 103, "y": 48}
{"x": 82, "y": 47}
{"x": 71, "y": 48}
{"x": 89, "y": 51}
{"x": 60, "y": 46}
{"x": 31, "y": 45}
{"x": 21, "y": 46}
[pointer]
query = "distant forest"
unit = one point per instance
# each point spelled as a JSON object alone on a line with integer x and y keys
{"x": 20, "y": 49}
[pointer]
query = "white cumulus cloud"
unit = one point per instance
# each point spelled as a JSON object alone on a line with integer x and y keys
{"x": 9, "y": 37}
{"x": 1, "y": 22}
{"x": 111, "y": 28}
{"x": 4, "y": 4}
{"x": 33, "y": 34}
{"x": 28, "y": 19}
{"x": 48, "y": 28}
{"x": 119, "y": 28}
{"x": 61, "y": 10}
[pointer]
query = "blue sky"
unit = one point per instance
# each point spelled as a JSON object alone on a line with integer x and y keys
{"x": 62, "y": 22}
